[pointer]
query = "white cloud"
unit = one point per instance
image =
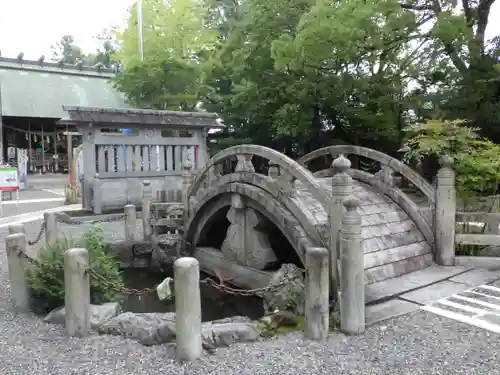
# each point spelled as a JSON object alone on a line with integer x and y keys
{"x": 31, "y": 26}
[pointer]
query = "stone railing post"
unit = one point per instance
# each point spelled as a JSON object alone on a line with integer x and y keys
{"x": 317, "y": 294}
{"x": 187, "y": 308}
{"x": 187, "y": 179}
{"x": 244, "y": 163}
{"x": 273, "y": 170}
{"x": 147, "y": 197}
{"x": 130, "y": 222}
{"x": 77, "y": 292}
{"x": 445, "y": 213}
{"x": 352, "y": 283}
{"x": 19, "y": 290}
{"x": 97, "y": 195}
{"x": 51, "y": 228}
{"x": 341, "y": 188}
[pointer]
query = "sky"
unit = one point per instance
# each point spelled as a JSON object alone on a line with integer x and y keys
{"x": 32, "y": 26}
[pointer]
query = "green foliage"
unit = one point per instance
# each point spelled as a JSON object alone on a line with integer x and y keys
{"x": 68, "y": 52}
{"x": 173, "y": 29}
{"x": 476, "y": 159}
{"x": 294, "y": 75}
{"x": 47, "y": 281}
{"x": 160, "y": 84}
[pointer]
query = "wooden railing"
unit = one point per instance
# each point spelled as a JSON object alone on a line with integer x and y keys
{"x": 490, "y": 223}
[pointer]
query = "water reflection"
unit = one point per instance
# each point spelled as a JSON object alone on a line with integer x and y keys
{"x": 214, "y": 305}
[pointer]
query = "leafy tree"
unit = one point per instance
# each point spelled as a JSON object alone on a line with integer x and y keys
{"x": 476, "y": 159}
{"x": 172, "y": 29}
{"x": 463, "y": 64}
{"x": 66, "y": 50}
{"x": 296, "y": 75}
{"x": 175, "y": 39}
{"x": 160, "y": 84}
{"x": 104, "y": 54}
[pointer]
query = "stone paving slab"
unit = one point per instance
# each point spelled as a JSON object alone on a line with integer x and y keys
{"x": 477, "y": 277}
{"x": 434, "y": 292}
{"x": 411, "y": 281}
{"x": 388, "y": 309}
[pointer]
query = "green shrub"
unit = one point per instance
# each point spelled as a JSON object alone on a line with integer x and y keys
{"x": 47, "y": 281}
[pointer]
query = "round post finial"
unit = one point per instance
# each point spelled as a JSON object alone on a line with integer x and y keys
{"x": 146, "y": 183}
{"x": 341, "y": 164}
{"x": 351, "y": 203}
{"x": 446, "y": 161}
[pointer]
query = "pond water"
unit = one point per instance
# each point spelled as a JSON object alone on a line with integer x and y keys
{"x": 214, "y": 304}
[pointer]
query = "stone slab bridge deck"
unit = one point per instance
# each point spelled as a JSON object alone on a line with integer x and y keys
{"x": 398, "y": 235}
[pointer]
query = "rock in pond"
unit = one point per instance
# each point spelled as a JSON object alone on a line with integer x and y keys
{"x": 147, "y": 328}
{"x": 156, "y": 328}
{"x": 291, "y": 296}
{"x": 99, "y": 314}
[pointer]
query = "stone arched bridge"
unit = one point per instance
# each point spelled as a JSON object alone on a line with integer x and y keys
{"x": 245, "y": 222}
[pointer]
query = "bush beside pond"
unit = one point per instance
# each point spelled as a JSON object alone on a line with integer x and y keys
{"x": 46, "y": 282}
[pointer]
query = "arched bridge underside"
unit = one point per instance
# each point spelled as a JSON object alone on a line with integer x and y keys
{"x": 294, "y": 198}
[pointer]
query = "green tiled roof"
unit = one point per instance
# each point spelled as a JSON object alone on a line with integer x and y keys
{"x": 31, "y": 90}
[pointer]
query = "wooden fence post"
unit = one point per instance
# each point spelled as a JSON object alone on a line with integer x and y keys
{"x": 147, "y": 195}
{"x": 187, "y": 308}
{"x": 352, "y": 283}
{"x": 51, "y": 230}
{"x": 130, "y": 222}
{"x": 341, "y": 188}
{"x": 445, "y": 212}
{"x": 19, "y": 289}
{"x": 317, "y": 294}
{"x": 97, "y": 195}
{"x": 77, "y": 292}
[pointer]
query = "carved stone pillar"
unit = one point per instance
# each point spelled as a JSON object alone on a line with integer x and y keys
{"x": 246, "y": 244}
{"x": 244, "y": 163}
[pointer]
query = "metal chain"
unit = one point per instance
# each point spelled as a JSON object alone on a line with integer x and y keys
{"x": 36, "y": 263}
{"x": 121, "y": 289}
{"x": 69, "y": 221}
{"x": 39, "y": 235}
{"x": 259, "y": 292}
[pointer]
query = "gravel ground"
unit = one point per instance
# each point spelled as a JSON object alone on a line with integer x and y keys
{"x": 418, "y": 343}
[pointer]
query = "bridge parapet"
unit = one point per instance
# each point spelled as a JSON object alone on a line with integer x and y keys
{"x": 383, "y": 172}
{"x": 283, "y": 170}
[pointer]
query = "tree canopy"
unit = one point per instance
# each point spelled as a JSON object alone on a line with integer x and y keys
{"x": 299, "y": 74}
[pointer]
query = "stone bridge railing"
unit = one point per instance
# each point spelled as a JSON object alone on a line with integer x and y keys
{"x": 384, "y": 180}
{"x": 282, "y": 169}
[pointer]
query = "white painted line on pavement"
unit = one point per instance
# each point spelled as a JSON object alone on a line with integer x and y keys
{"x": 469, "y": 309}
{"x": 463, "y": 319}
{"x": 477, "y": 302}
{"x": 39, "y": 200}
{"x": 55, "y": 191}
{"x": 32, "y": 216}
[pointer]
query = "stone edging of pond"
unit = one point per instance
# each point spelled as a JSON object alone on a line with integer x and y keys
{"x": 159, "y": 328}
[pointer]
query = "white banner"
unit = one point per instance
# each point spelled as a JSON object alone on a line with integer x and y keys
{"x": 22, "y": 167}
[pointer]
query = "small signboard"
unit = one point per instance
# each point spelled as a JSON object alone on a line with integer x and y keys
{"x": 9, "y": 182}
{"x": 9, "y": 179}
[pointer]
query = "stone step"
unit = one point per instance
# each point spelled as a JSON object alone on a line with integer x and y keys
{"x": 390, "y": 288}
{"x": 392, "y": 240}
{"x": 391, "y": 270}
{"x": 388, "y": 256}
